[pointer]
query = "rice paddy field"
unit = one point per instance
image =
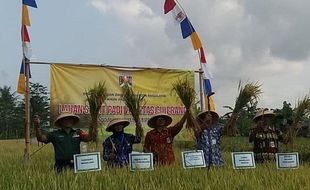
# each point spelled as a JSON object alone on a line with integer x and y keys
{"x": 38, "y": 173}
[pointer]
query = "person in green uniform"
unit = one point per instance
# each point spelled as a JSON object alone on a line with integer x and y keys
{"x": 66, "y": 140}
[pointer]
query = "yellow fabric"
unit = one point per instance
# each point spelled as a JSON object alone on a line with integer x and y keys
{"x": 212, "y": 105}
{"x": 21, "y": 84}
{"x": 195, "y": 41}
{"x": 25, "y": 16}
{"x": 69, "y": 82}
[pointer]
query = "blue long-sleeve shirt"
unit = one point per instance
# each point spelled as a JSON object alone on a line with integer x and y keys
{"x": 210, "y": 142}
{"x": 119, "y": 144}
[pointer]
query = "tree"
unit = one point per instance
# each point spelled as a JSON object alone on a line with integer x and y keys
{"x": 245, "y": 121}
{"x": 11, "y": 114}
{"x": 39, "y": 102}
{"x": 284, "y": 117}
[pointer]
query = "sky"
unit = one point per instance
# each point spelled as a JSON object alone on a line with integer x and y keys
{"x": 253, "y": 41}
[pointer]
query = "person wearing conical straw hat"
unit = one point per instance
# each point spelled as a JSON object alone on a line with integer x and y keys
{"x": 209, "y": 138}
{"x": 159, "y": 140}
{"x": 118, "y": 146}
{"x": 66, "y": 140}
{"x": 265, "y": 137}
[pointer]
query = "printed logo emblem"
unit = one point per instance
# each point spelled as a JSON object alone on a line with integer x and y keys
{"x": 125, "y": 80}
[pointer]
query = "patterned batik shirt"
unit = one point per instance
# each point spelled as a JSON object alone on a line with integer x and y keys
{"x": 119, "y": 144}
{"x": 209, "y": 141}
{"x": 160, "y": 144}
{"x": 266, "y": 143}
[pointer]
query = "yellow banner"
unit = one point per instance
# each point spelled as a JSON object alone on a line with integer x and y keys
{"x": 69, "y": 83}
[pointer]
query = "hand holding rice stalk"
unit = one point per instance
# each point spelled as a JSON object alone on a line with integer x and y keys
{"x": 187, "y": 94}
{"x": 134, "y": 103}
{"x": 95, "y": 97}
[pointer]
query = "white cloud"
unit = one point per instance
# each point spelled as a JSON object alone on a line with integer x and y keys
{"x": 126, "y": 10}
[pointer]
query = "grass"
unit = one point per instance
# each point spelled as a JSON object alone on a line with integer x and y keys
{"x": 39, "y": 174}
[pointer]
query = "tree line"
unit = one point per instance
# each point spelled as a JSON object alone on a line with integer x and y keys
{"x": 12, "y": 110}
{"x": 239, "y": 118}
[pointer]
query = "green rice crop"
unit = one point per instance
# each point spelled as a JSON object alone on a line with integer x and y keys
{"x": 39, "y": 173}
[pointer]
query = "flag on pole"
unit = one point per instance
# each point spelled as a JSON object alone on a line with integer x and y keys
{"x": 169, "y": 5}
{"x": 31, "y": 3}
{"x": 212, "y": 105}
{"x": 27, "y": 51}
{"x": 206, "y": 81}
{"x": 178, "y": 14}
{"x": 25, "y": 35}
{"x": 202, "y": 56}
{"x": 21, "y": 79}
{"x": 186, "y": 28}
{"x": 196, "y": 41}
{"x": 25, "y": 16}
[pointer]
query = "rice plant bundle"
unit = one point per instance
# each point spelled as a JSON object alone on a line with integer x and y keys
{"x": 248, "y": 94}
{"x": 186, "y": 93}
{"x": 134, "y": 102}
{"x": 301, "y": 111}
{"x": 95, "y": 98}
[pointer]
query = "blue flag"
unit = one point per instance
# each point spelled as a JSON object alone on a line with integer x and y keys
{"x": 31, "y": 3}
{"x": 186, "y": 28}
{"x": 208, "y": 87}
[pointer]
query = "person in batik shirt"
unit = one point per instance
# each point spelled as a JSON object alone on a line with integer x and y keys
{"x": 118, "y": 146}
{"x": 208, "y": 139}
{"x": 265, "y": 136}
{"x": 159, "y": 140}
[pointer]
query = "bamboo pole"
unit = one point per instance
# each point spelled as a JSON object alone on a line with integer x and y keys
{"x": 202, "y": 107}
{"x": 102, "y": 65}
{"x": 27, "y": 111}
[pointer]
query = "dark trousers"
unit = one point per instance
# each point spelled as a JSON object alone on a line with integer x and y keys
{"x": 60, "y": 165}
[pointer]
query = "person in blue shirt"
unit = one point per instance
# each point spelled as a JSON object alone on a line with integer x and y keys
{"x": 118, "y": 146}
{"x": 208, "y": 139}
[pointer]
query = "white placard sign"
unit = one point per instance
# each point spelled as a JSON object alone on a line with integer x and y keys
{"x": 287, "y": 160}
{"x": 87, "y": 162}
{"x": 193, "y": 159}
{"x": 141, "y": 161}
{"x": 243, "y": 160}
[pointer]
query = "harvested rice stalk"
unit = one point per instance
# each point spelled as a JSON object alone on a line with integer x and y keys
{"x": 134, "y": 102}
{"x": 95, "y": 98}
{"x": 186, "y": 92}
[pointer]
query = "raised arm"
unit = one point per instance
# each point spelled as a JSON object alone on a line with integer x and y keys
{"x": 177, "y": 127}
{"x": 40, "y": 136}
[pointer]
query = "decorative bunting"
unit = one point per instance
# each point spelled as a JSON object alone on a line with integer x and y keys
{"x": 196, "y": 41}
{"x": 25, "y": 35}
{"x": 211, "y": 103}
{"x": 169, "y": 5}
{"x": 186, "y": 28}
{"x": 27, "y": 50}
{"x": 21, "y": 80}
{"x": 31, "y": 3}
{"x": 25, "y": 16}
{"x": 178, "y": 14}
{"x": 202, "y": 56}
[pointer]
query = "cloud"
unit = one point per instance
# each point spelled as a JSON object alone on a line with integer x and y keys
{"x": 244, "y": 40}
{"x": 265, "y": 41}
{"x": 124, "y": 9}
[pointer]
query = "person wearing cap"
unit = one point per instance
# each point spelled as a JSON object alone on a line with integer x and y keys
{"x": 209, "y": 138}
{"x": 159, "y": 140}
{"x": 118, "y": 146}
{"x": 66, "y": 140}
{"x": 265, "y": 137}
